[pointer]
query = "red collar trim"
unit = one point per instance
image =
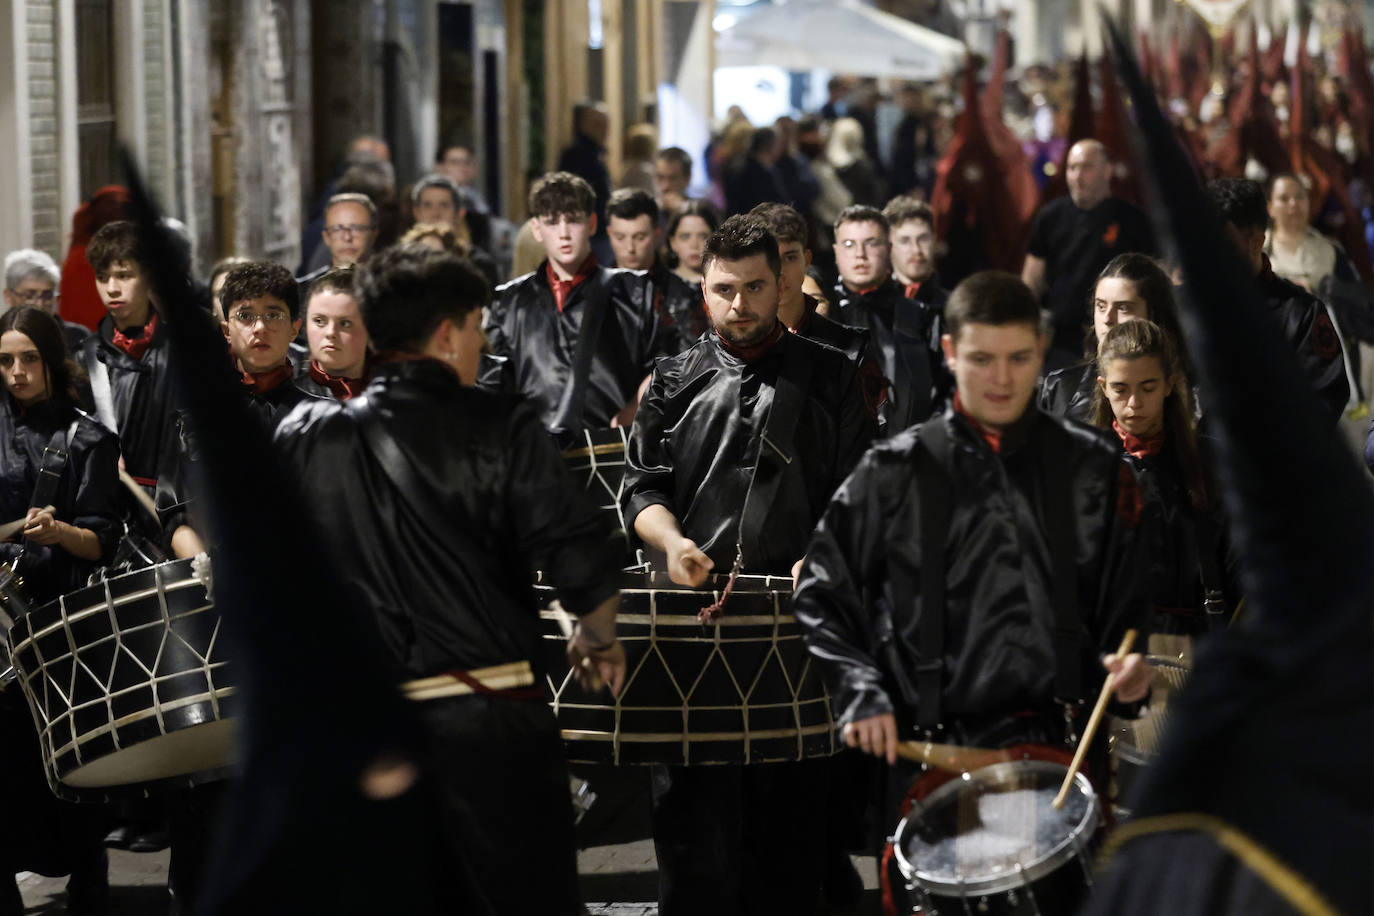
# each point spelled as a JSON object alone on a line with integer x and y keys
{"x": 1136, "y": 446}
{"x": 263, "y": 382}
{"x": 562, "y": 289}
{"x": 342, "y": 388}
{"x": 753, "y": 351}
{"x": 912, "y": 289}
{"x": 136, "y": 346}
{"x": 991, "y": 436}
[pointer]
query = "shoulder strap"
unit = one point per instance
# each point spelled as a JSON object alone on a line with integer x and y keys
{"x": 1206, "y": 541}
{"x": 52, "y": 465}
{"x": 936, "y": 510}
{"x": 776, "y": 447}
{"x": 569, "y": 416}
{"x": 100, "y": 392}
{"x": 1059, "y": 532}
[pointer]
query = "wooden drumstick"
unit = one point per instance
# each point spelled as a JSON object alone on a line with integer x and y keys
{"x": 10, "y": 529}
{"x": 951, "y": 757}
{"x": 140, "y": 495}
{"x": 1126, "y": 642}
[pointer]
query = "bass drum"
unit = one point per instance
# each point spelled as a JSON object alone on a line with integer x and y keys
{"x": 126, "y": 681}
{"x": 741, "y": 689}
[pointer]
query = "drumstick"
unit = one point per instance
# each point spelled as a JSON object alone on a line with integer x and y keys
{"x": 140, "y": 495}
{"x": 1126, "y": 642}
{"x": 950, "y": 757}
{"x": 565, "y": 623}
{"x": 10, "y": 529}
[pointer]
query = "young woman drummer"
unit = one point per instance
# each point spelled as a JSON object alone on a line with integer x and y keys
{"x": 74, "y": 526}
{"x": 1142, "y": 394}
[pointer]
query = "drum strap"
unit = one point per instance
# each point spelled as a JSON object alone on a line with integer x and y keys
{"x": 1209, "y": 570}
{"x": 101, "y": 394}
{"x": 568, "y": 419}
{"x": 936, "y": 511}
{"x": 52, "y": 465}
{"x": 776, "y": 448}
{"x": 1059, "y": 531}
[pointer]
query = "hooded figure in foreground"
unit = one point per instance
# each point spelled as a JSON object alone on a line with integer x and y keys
{"x": 1262, "y": 798}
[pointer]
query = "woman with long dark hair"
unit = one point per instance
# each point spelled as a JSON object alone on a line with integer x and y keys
{"x": 685, "y": 241}
{"x": 1130, "y": 287}
{"x": 57, "y": 548}
{"x": 1141, "y": 392}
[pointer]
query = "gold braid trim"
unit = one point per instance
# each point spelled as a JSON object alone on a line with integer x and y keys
{"x": 1286, "y": 882}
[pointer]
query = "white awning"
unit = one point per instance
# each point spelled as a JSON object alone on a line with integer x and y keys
{"x": 842, "y": 36}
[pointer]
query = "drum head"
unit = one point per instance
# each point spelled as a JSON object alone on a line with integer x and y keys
{"x": 995, "y": 829}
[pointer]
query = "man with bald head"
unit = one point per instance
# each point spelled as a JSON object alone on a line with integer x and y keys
{"x": 1072, "y": 239}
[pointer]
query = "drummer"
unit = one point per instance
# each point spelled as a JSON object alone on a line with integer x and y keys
{"x": 540, "y": 323}
{"x": 440, "y": 516}
{"x": 70, "y": 525}
{"x": 1036, "y": 520}
{"x": 738, "y": 444}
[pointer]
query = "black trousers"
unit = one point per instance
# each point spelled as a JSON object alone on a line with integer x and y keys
{"x": 739, "y": 839}
{"x": 506, "y": 815}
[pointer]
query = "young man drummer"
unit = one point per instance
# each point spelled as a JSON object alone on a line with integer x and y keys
{"x": 737, "y": 446}
{"x": 1032, "y": 523}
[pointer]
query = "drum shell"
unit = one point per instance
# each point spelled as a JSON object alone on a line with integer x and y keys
{"x": 742, "y": 689}
{"x": 124, "y": 684}
{"x": 598, "y": 464}
{"x": 1052, "y": 882}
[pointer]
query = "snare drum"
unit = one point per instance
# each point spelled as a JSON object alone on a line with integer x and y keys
{"x": 992, "y": 842}
{"x": 742, "y": 689}
{"x": 598, "y": 463}
{"x": 126, "y": 681}
{"x": 1134, "y": 743}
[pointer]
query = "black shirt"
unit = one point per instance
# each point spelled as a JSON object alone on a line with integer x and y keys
{"x": 697, "y": 435}
{"x": 1075, "y": 245}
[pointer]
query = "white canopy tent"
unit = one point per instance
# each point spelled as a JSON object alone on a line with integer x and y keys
{"x": 842, "y": 36}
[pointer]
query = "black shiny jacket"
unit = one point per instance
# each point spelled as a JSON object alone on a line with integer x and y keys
{"x": 450, "y": 583}
{"x": 141, "y": 391}
{"x": 88, "y": 495}
{"x": 1068, "y": 392}
{"x": 998, "y": 650}
{"x": 900, "y": 331}
{"x": 852, "y": 342}
{"x": 539, "y": 343}
{"x": 1308, "y": 328}
{"x": 697, "y": 435}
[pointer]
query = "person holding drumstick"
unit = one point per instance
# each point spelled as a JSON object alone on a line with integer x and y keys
{"x": 1019, "y": 527}
{"x": 440, "y": 501}
{"x": 59, "y": 492}
{"x": 738, "y": 444}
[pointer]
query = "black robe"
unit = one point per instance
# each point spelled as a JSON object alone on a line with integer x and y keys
{"x": 697, "y": 435}
{"x": 88, "y": 495}
{"x": 998, "y": 648}
{"x": 900, "y": 331}
{"x": 539, "y": 343}
{"x": 1309, "y": 330}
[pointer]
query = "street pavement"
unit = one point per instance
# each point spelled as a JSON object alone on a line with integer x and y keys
{"x": 619, "y": 875}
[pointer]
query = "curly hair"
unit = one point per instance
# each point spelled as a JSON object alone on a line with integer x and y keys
{"x": 260, "y": 278}
{"x": 407, "y": 291}
{"x": 739, "y": 237}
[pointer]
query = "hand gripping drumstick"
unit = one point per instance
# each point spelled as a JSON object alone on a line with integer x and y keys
{"x": 140, "y": 495}
{"x": 1126, "y": 642}
{"x": 10, "y": 529}
{"x": 565, "y": 623}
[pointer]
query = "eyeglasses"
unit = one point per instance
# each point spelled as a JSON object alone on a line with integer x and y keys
{"x": 29, "y": 297}
{"x": 246, "y": 318}
{"x": 348, "y": 230}
{"x": 868, "y": 244}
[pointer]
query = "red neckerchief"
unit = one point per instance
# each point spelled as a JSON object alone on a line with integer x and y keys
{"x": 263, "y": 382}
{"x": 867, "y": 289}
{"x": 753, "y": 351}
{"x": 136, "y": 346}
{"x": 1136, "y": 446}
{"x": 912, "y": 289}
{"x": 991, "y": 436}
{"x": 342, "y": 388}
{"x": 562, "y": 289}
